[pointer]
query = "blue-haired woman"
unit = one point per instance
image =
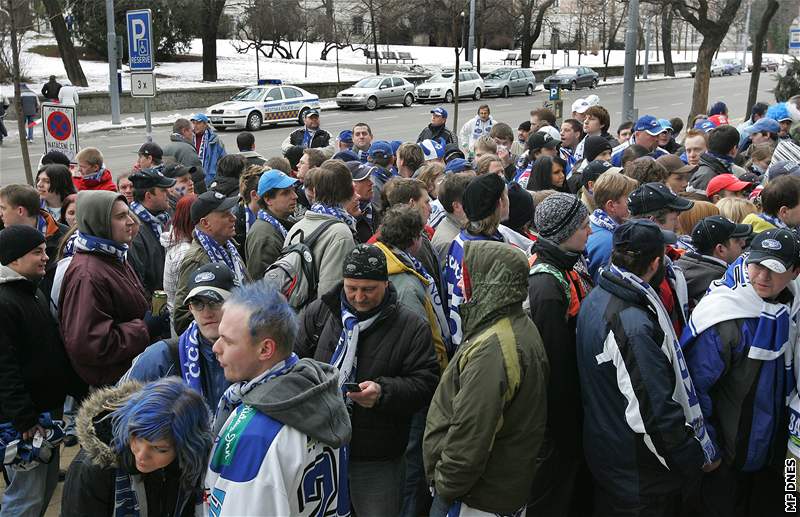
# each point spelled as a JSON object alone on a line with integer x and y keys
{"x": 144, "y": 452}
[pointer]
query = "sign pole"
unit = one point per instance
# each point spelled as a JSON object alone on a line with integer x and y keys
{"x": 113, "y": 53}
{"x": 149, "y": 127}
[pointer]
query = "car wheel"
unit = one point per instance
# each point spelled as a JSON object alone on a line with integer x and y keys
{"x": 372, "y": 103}
{"x": 505, "y": 92}
{"x": 253, "y": 121}
{"x": 594, "y": 84}
{"x": 529, "y": 91}
{"x": 408, "y": 100}
{"x": 477, "y": 95}
{"x": 573, "y": 85}
{"x": 448, "y": 97}
{"x": 302, "y": 116}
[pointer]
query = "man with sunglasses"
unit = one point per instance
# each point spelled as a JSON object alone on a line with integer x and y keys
{"x": 189, "y": 355}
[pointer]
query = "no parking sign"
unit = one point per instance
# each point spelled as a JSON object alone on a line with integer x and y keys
{"x": 60, "y": 129}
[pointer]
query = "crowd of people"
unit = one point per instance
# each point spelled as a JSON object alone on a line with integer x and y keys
{"x": 549, "y": 320}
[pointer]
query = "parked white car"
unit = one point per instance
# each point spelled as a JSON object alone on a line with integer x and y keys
{"x": 263, "y": 104}
{"x": 442, "y": 87}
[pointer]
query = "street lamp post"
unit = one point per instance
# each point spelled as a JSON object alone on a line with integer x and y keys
{"x": 471, "y": 42}
{"x": 631, "y": 33}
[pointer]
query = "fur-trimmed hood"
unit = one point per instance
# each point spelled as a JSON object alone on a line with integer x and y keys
{"x": 93, "y": 423}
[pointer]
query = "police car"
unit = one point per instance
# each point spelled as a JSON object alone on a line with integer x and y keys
{"x": 268, "y": 103}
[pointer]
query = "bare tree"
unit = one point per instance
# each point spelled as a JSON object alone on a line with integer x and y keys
{"x": 65, "y": 47}
{"x": 14, "y": 10}
{"x": 533, "y": 13}
{"x": 758, "y": 49}
{"x": 667, "y": 17}
{"x": 610, "y": 29}
{"x": 700, "y": 14}
{"x": 210, "y": 14}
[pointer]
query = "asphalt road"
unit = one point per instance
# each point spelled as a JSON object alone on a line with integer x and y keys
{"x": 667, "y": 98}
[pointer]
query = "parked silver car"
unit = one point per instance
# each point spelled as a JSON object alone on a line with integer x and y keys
{"x": 503, "y": 82}
{"x": 375, "y": 91}
{"x": 441, "y": 87}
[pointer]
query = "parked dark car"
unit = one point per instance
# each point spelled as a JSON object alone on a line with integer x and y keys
{"x": 503, "y": 82}
{"x": 767, "y": 65}
{"x": 573, "y": 77}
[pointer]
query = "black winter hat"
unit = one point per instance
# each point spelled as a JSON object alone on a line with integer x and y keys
{"x": 17, "y": 240}
{"x": 365, "y": 262}
{"x": 593, "y": 146}
{"x": 481, "y": 196}
{"x": 520, "y": 207}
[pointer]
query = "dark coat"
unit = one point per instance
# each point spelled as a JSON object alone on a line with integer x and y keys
{"x": 396, "y": 352}
{"x": 50, "y": 90}
{"x": 432, "y": 132}
{"x": 321, "y": 138}
{"x": 147, "y": 257}
{"x": 35, "y": 373}
{"x": 699, "y": 271}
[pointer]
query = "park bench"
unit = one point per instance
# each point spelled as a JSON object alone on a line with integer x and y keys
{"x": 511, "y": 58}
{"x": 370, "y": 55}
{"x": 405, "y": 56}
{"x": 387, "y": 56}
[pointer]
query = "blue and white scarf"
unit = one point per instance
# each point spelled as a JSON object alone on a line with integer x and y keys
{"x": 438, "y": 214}
{"x": 157, "y": 223}
{"x": 308, "y": 136}
{"x": 601, "y": 219}
{"x": 337, "y": 212}
{"x": 685, "y": 243}
{"x": 570, "y": 158}
{"x": 24, "y": 455}
{"x": 345, "y": 356}
{"x": 69, "y": 246}
{"x": 41, "y": 225}
{"x": 189, "y": 356}
{"x": 228, "y": 255}
{"x": 433, "y": 293}
{"x": 96, "y": 176}
{"x": 367, "y": 210}
{"x": 774, "y": 221}
{"x": 232, "y": 397}
{"x": 381, "y": 174}
{"x": 91, "y": 244}
{"x": 266, "y": 216}
{"x": 684, "y": 392}
{"x": 249, "y": 218}
{"x": 363, "y": 156}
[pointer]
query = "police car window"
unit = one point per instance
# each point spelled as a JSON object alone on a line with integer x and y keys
{"x": 275, "y": 93}
{"x": 291, "y": 93}
{"x": 397, "y": 81}
{"x": 250, "y": 94}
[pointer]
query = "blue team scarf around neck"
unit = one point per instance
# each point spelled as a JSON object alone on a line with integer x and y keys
{"x": 337, "y": 212}
{"x": 345, "y": 356}
{"x": 433, "y": 292}
{"x": 69, "y": 247}
{"x": 362, "y": 155}
{"x": 383, "y": 175}
{"x": 41, "y": 225}
{"x": 365, "y": 205}
{"x": 250, "y": 218}
{"x": 600, "y": 218}
{"x": 228, "y": 255}
{"x": 156, "y": 223}
{"x": 189, "y": 355}
{"x": 774, "y": 221}
{"x": 307, "y": 137}
{"x": 96, "y": 176}
{"x": 266, "y": 216}
{"x": 91, "y": 244}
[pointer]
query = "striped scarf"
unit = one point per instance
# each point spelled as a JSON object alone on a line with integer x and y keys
{"x": 228, "y": 255}
{"x": 157, "y": 223}
{"x": 345, "y": 356}
{"x": 603, "y": 220}
{"x": 337, "y": 212}
{"x": 91, "y": 244}
{"x": 266, "y": 216}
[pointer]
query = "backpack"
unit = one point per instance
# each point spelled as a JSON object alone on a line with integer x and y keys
{"x": 294, "y": 273}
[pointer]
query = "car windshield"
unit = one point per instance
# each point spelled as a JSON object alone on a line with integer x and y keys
{"x": 250, "y": 94}
{"x": 499, "y": 74}
{"x": 567, "y": 71}
{"x": 442, "y": 78}
{"x": 368, "y": 82}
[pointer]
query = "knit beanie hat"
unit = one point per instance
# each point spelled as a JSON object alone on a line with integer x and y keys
{"x": 520, "y": 207}
{"x": 559, "y": 215}
{"x": 481, "y": 196}
{"x": 365, "y": 262}
{"x": 593, "y": 146}
{"x": 17, "y": 240}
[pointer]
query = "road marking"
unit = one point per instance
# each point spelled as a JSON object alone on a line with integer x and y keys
{"x": 385, "y": 118}
{"x": 503, "y": 105}
{"x": 652, "y": 107}
{"x": 678, "y": 104}
{"x": 123, "y": 145}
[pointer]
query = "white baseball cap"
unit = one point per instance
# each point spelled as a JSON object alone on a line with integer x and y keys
{"x": 550, "y": 130}
{"x": 580, "y": 106}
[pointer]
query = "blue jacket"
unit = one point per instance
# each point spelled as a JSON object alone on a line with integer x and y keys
{"x": 635, "y": 435}
{"x": 212, "y": 152}
{"x": 158, "y": 361}
{"x": 616, "y": 153}
{"x": 742, "y": 399}
{"x": 598, "y": 249}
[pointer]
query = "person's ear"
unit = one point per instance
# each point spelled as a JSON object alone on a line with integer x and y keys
{"x": 267, "y": 349}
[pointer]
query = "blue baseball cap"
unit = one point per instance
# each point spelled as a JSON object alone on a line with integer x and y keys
{"x": 666, "y": 124}
{"x": 312, "y": 112}
{"x": 345, "y": 156}
{"x": 705, "y": 125}
{"x": 764, "y": 125}
{"x": 457, "y": 165}
{"x": 346, "y": 136}
{"x": 649, "y": 124}
{"x": 395, "y": 145}
{"x": 380, "y": 148}
{"x": 273, "y": 179}
{"x": 200, "y": 117}
{"x": 439, "y": 111}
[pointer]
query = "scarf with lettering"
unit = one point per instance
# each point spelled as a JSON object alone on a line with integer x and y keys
{"x": 601, "y": 219}
{"x": 189, "y": 355}
{"x": 228, "y": 255}
{"x": 345, "y": 356}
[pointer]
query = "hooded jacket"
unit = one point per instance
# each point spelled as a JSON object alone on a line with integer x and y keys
{"x": 486, "y": 422}
{"x": 395, "y": 351}
{"x": 185, "y": 154}
{"x": 279, "y": 452}
{"x": 101, "y": 305}
{"x": 29, "y": 100}
{"x": 105, "y": 182}
{"x": 212, "y": 152}
{"x": 90, "y": 488}
{"x": 699, "y": 271}
{"x": 711, "y": 166}
{"x": 34, "y": 370}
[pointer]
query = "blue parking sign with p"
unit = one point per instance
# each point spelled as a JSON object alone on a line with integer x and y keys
{"x": 140, "y": 39}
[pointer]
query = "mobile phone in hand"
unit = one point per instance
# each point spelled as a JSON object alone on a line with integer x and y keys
{"x": 352, "y": 387}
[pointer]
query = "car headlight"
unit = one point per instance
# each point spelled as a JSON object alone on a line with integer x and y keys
{"x": 436, "y": 90}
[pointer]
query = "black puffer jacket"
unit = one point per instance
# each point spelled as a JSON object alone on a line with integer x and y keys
{"x": 321, "y": 138}
{"x": 432, "y": 132}
{"x": 396, "y": 352}
{"x": 35, "y": 373}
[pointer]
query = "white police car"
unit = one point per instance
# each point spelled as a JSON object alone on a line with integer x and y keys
{"x": 268, "y": 103}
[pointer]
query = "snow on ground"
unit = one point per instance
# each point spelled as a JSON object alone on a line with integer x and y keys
{"x": 240, "y": 69}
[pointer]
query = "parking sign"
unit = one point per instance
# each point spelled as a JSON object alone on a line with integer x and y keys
{"x": 140, "y": 39}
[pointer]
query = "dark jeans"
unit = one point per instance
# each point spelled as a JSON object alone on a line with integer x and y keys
{"x": 730, "y": 493}
{"x": 375, "y": 487}
{"x": 416, "y": 495}
{"x": 561, "y": 485}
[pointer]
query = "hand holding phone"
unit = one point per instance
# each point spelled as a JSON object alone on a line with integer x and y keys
{"x": 351, "y": 387}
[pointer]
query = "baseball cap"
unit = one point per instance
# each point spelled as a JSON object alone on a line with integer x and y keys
{"x": 719, "y": 120}
{"x": 594, "y": 169}
{"x": 312, "y": 112}
{"x": 541, "y": 141}
{"x": 177, "y": 170}
{"x": 211, "y": 201}
{"x": 431, "y": 149}
{"x": 550, "y": 130}
{"x": 380, "y": 148}
{"x": 649, "y": 124}
{"x": 705, "y": 125}
{"x": 783, "y": 168}
{"x": 666, "y": 124}
{"x": 777, "y": 249}
{"x": 346, "y": 136}
{"x": 359, "y": 171}
{"x": 213, "y": 281}
{"x": 580, "y": 106}
{"x": 151, "y": 149}
{"x": 273, "y": 179}
{"x": 457, "y": 165}
{"x": 452, "y": 150}
{"x": 151, "y": 178}
{"x": 395, "y": 145}
{"x": 722, "y": 182}
{"x": 764, "y": 125}
{"x": 640, "y": 236}
{"x": 200, "y": 117}
{"x": 345, "y": 156}
{"x": 675, "y": 165}
{"x": 439, "y": 111}
{"x": 656, "y": 196}
{"x": 715, "y": 229}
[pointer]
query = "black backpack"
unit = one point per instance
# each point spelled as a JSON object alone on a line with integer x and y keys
{"x": 294, "y": 273}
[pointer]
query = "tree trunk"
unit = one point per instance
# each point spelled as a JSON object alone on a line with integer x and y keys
{"x": 211, "y": 12}
{"x": 758, "y": 45}
{"x": 527, "y": 18}
{"x": 374, "y": 38}
{"x": 23, "y": 142}
{"x": 65, "y": 47}
{"x": 704, "y": 57}
{"x": 666, "y": 41}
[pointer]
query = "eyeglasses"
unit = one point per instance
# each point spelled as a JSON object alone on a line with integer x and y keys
{"x": 200, "y": 306}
